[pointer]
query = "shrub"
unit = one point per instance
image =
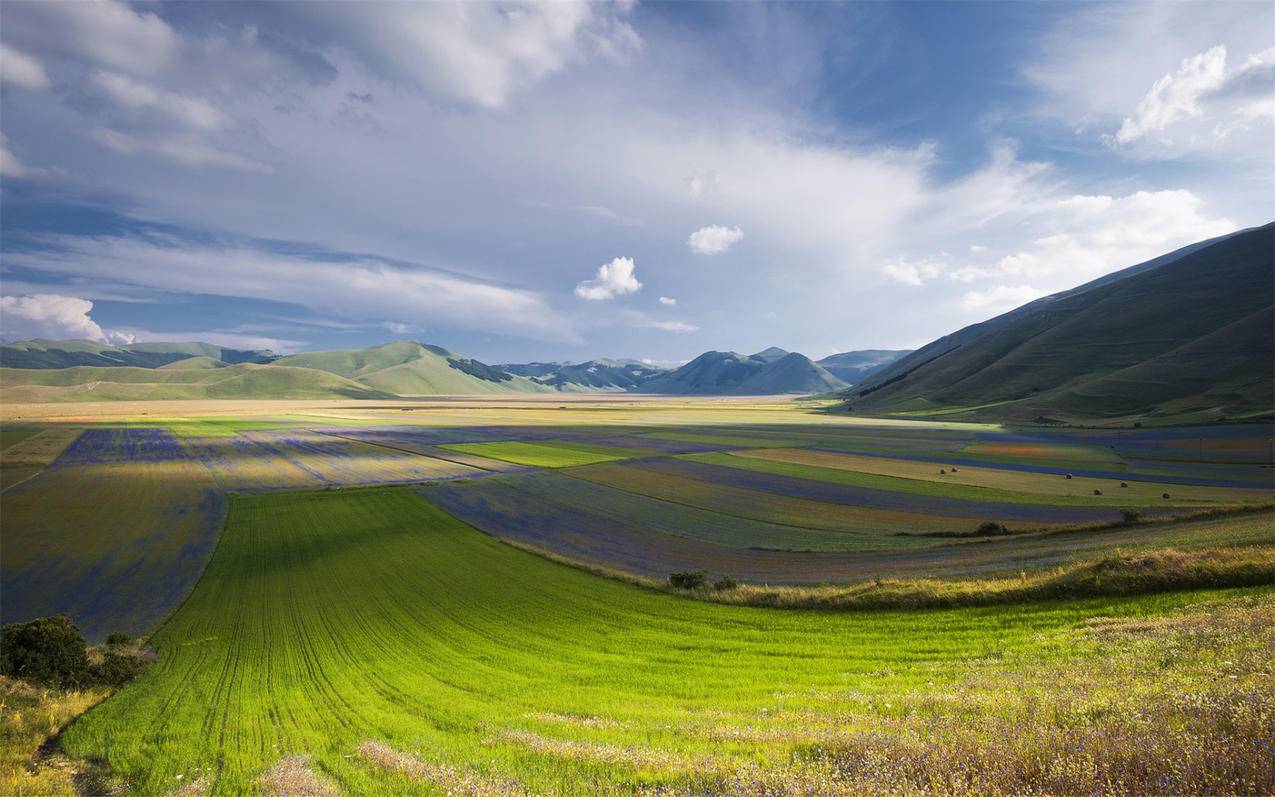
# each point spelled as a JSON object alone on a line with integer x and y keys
{"x": 117, "y": 669}
{"x": 1130, "y": 515}
{"x": 990, "y": 528}
{"x": 688, "y": 579}
{"x": 1165, "y": 496}
{"x": 724, "y": 583}
{"x": 118, "y": 638}
{"x": 48, "y": 651}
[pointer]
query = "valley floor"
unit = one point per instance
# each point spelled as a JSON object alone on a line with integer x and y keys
{"x": 337, "y": 609}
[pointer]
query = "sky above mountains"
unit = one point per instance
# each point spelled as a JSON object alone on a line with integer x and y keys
{"x": 567, "y": 181}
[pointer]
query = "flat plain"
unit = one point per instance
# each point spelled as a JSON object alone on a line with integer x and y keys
{"x": 468, "y": 596}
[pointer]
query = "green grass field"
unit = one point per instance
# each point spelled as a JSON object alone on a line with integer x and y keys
{"x": 357, "y": 635}
{"x": 545, "y": 454}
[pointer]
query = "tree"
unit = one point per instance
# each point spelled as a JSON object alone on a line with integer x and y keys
{"x": 48, "y": 650}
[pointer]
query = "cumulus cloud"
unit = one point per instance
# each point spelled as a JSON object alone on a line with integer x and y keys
{"x": 913, "y": 273}
{"x": 47, "y": 315}
{"x": 613, "y": 279}
{"x": 674, "y": 326}
{"x": 1203, "y": 103}
{"x": 714, "y": 239}
{"x": 668, "y": 300}
{"x": 21, "y": 70}
{"x": 360, "y": 288}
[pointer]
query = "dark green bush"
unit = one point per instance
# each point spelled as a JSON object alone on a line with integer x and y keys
{"x": 48, "y": 651}
{"x": 990, "y": 528}
{"x": 724, "y": 583}
{"x": 118, "y": 638}
{"x": 117, "y": 669}
{"x": 688, "y": 579}
{"x": 1130, "y": 515}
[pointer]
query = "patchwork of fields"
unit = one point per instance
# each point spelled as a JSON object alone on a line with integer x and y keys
{"x": 365, "y": 642}
{"x": 334, "y": 608}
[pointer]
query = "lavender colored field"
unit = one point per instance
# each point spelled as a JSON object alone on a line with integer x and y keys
{"x": 769, "y": 507}
{"x": 503, "y": 508}
{"x": 114, "y": 543}
{"x": 254, "y": 461}
{"x": 875, "y": 498}
{"x": 571, "y": 496}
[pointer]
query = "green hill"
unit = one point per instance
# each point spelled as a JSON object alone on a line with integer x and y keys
{"x": 767, "y": 372}
{"x": 244, "y": 381}
{"x": 42, "y": 353}
{"x": 1185, "y": 337}
{"x": 409, "y": 368}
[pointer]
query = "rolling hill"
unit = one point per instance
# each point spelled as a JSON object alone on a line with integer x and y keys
{"x": 242, "y": 381}
{"x": 408, "y": 368}
{"x": 593, "y": 376}
{"x": 1187, "y": 336}
{"x": 69, "y": 353}
{"x": 767, "y": 372}
{"x": 856, "y": 366}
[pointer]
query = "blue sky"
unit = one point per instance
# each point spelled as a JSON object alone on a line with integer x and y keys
{"x": 567, "y": 181}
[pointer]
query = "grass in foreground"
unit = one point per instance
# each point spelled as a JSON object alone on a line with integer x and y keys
{"x": 365, "y": 642}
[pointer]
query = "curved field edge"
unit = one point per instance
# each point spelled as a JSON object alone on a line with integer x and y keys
{"x": 326, "y": 621}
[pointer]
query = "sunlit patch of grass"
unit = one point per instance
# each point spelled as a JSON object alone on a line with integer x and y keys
{"x": 29, "y": 717}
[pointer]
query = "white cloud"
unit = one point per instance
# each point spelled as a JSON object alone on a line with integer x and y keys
{"x": 479, "y": 54}
{"x": 176, "y": 148}
{"x": 613, "y": 279}
{"x": 47, "y": 315}
{"x": 914, "y": 273}
{"x": 21, "y": 70}
{"x": 674, "y": 326}
{"x": 1176, "y": 95}
{"x": 714, "y": 239}
{"x": 12, "y": 166}
{"x": 668, "y": 300}
{"x": 108, "y": 33}
{"x": 999, "y": 298}
{"x": 363, "y": 288}
{"x": 191, "y": 112}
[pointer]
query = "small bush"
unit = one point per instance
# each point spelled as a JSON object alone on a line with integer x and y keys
{"x": 688, "y": 579}
{"x": 990, "y": 528}
{"x": 1165, "y": 496}
{"x": 1130, "y": 515}
{"x": 49, "y": 651}
{"x": 118, "y": 638}
{"x": 724, "y": 583}
{"x": 117, "y": 669}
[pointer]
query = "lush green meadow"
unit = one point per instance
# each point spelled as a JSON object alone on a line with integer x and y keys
{"x": 374, "y": 644}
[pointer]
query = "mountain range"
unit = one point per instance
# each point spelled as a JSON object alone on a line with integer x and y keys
{"x": 82, "y": 370}
{"x": 1187, "y": 336}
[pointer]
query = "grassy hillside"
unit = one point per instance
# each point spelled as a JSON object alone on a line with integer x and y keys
{"x": 1188, "y": 339}
{"x": 69, "y": 353}
{"x": 88, "y": 383}
{"x": 409, "y": 368}
{"x": 364, "y": 642}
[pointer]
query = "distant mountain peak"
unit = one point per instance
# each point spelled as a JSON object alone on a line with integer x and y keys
{"x": 771, "y": 354}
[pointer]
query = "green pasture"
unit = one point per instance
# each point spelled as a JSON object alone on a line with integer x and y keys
{"x": 328, "y": 620}
{"x": 546, "y": 453}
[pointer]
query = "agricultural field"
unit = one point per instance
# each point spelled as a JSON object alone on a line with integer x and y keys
{"x": 365, "y": 642}
{"x": 471, "y": 596}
